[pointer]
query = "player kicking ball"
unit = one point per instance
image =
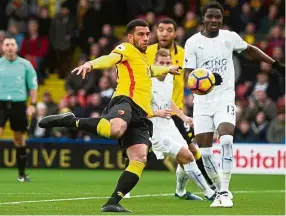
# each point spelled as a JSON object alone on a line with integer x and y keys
{"x": 125, "y": 117}
{"x": 166, "y": 139}
{"x": 212, "y": 49}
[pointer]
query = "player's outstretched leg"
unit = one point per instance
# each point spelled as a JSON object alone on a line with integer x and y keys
{"x": 181, "y": 184}
{"x": 137, "y": 155}
{"x": 60, "y": 120}
{"x": 98, "y": 126}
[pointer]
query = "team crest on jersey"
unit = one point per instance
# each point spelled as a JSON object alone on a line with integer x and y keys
{"x": 121, "y": 47}
{"x": 227, "y": 44}
{"x": 200, "y": 46}
{"x": 121, "y": 112}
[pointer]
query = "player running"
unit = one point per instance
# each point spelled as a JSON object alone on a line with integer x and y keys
{"x": 212, "y": 49}
{"x": 166, "y": 139}
{"x": 166, "y": 34}
{"x": 125, "y": 117}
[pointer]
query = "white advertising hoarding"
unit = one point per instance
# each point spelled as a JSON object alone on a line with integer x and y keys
{"x": 256, "y": 158}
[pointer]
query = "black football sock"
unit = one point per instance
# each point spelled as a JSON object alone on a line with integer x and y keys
{"x": 88, "y": 124}
{"x": 21, "y": 157}
{"x": 98, "y": 126}
{"x": 126, "y": 182}
{"x": 203, "y": 171}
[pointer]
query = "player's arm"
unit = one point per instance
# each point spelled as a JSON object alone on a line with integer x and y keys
{"x": 254, "y": 53}
{"x": 190, "y": 57}
{"x": 159, "y": 70}
{"x": 32, "y": 84}
{"x": 188, "y": 71}
{"x": 181, "y": 114}
{"x": 34, "y": 96}
{"x": 102, "y": 62}
{"x": 161, "y": 113}
{"x": 105, "y": 61}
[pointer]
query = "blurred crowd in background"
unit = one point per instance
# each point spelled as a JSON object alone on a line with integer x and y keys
{"x": 57, "y": 35}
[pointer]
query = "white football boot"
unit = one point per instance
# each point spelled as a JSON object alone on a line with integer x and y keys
{"x": 230, "y": 195}
{"x": 217, "y": 202}
{"x": 223, "y": 200}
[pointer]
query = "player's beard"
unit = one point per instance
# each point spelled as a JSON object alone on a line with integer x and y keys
{"x": 141, "y": 49}
{"x": 167, "y": 46}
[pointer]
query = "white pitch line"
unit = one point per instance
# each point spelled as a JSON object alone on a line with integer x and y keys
{"x": 134, "y": 196}
{"x": 146, "y": 195}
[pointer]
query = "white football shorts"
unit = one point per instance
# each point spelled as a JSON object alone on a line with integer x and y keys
{"x": 208, "y": 116}
{"x": 167, "y": 141}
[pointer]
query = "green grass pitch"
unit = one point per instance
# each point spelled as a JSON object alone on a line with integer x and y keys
{"x": 82, "y": 192}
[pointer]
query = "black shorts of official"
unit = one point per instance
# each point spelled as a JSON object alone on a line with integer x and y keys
{"x": 139, "y": 129}
{"x": 185, "y": 129}
{"x": 15, "y": 112}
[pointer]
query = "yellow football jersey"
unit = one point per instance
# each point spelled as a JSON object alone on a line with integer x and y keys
{"x": 177, "y": 59}
{"x": 134, "y": 79}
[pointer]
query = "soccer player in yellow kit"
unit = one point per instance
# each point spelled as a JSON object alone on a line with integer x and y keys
{"x": 125, "y": 117}
{"x": 166, "y": 34}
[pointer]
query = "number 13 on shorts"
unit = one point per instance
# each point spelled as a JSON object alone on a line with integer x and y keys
{"x": 231, "y": 109}
{"x": 225, "y": 114}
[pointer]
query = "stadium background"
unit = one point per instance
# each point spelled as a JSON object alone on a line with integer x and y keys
{"x": 57, "y": 35}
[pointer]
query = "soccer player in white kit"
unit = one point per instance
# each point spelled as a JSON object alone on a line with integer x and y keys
{"x": 212, "y": 49}
{"x": 166, "y": 139}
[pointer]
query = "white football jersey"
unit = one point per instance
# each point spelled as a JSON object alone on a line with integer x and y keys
{"x": 161, "y": 99}
{"x": 215, "y": 54}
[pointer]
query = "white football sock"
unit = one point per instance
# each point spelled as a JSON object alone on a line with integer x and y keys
{"x": 227, "y": 161}
{"x": 195, "y": 174}
{"x": 211, "y": 166}
{"x": 182, "y": 181}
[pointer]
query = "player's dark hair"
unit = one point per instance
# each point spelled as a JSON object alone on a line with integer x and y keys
{"x": 162, "y": 52}
{"x": 168, "y": 21}
{"x": 134, "y": 23}
{"x": 212, "y": 4}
